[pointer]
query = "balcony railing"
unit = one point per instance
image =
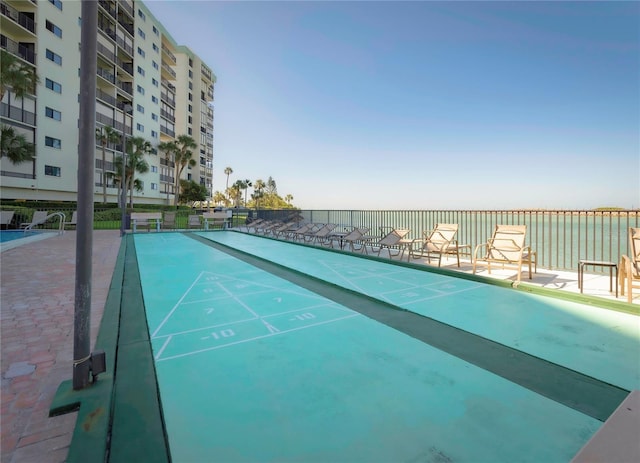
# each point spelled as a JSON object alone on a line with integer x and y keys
{"x": 17, "y": 114}
{"x": 560, "y": 238}
{"x": 18, "y": 49}
{"x": 17, "y": 17}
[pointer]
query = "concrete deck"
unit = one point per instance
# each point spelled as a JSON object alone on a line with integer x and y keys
{"x": 37, "y": 305}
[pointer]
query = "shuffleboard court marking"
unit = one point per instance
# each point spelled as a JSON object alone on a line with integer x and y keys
{"x": 255, "y": 338}
{"x": 362, "y": 274}
{"x": 173, "y": 309}
{"x": 233, "y": 297}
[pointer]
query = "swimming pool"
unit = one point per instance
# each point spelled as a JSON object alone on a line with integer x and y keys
{"x": 10, "y": 239}
{"x": 262, "y": 350}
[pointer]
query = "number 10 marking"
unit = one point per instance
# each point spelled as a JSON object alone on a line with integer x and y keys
{"x": 223, "y": 334}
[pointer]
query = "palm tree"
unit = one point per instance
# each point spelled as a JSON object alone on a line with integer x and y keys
{"x": 104, "y": 136}
{"x": 16, "y": 74}
{"x": 258, "y": 191}
{"x": 288, "y": 198}
{"x": 15, "y": 146}
{"x": 183, "y": 157}
{"x": 169, "y": 148}
{"x": 246, "y": 184}
{"x": 228, "y": 171}
{"x": 235, "y": 192}
{"x": 219, "y": 198}
{"x": 137, "y": 147}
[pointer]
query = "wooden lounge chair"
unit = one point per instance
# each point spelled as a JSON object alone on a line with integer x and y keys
{"x": 353, "y": 239}
{"x": 507, "y": 248}
{"x": 39, "y": 217}
{"x": 629, "y": 271}
{"x": 321, "y": 235}
{"x": 395, "y": 239}
{"x": 5, "y": 218}
{"x": 436, "y": 243}
{"x": 306, "y": 230}
{"x": 169, "y": 220}
{"x": 194, "y": 221}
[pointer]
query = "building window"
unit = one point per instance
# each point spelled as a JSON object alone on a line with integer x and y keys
{"x": 154, "y": 168}
{"x": 155, "y": 48}
{"x": 53, "y": 114}
{"x": 190, "y": 118}
{"x": 140, "y": 90}
{"x": 52, "y": 170}
{"x": 54, "y": 57}
{"x": 141, "y": 33}
{"x": 154, "y": 134}
{"x": 190, "y": 108}
{"x": 190, "y": 63}
{"x": 142, "y": 15}
{"x": 190, "y": 74}
{"x": 56, "y": 3}
{"x": 140, "y": 71}
{"x": 155, "y": 30}
{"x": 190, "y": 85}
{"x": 141, "y": 52}
{"x": 52, "y": 85}
{"x": 53, "y": 28}
{"x": 155, "y": 65}
{"x": 140, "y": 127}
{"x": 190, "y": 131}
{"x": 154, "y": 186}
{"x": 154, "y": 117}
{"x": 154, "y": 82}
{"x": 53, "y": 142}
{"x": 140, "y": 108}
{"x": 154, "y": 99}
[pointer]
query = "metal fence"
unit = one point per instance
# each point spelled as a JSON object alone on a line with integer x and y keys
{"x": 560, "y": 238}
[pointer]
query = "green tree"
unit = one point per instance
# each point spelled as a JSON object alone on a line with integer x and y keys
{"x": 183, "y": 158}
{"x": 15, "y": 146}
{"x": 15, "y": 74}
{"x": 192, "y": 192}
{"x": 288, "y": 198}
{"x": 228, "y": 171}
{"x": 220, "y": 198}
{"x": 271, "y": 188}
{"x": 169, "y": 149}
{"x": 235, "y": 192}
{"x": 105, "y": 136}
{"x": 258, "y": 192}
{"x": 137, "y": 148}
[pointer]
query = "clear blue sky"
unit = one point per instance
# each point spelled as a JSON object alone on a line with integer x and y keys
{"x": 423, "y": 105}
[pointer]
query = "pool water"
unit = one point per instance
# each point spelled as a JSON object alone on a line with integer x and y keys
{"x": 11, "y": 235}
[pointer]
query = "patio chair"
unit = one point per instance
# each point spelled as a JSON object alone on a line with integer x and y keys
{"x": 276, "y": 232}
{"x": 436, "y": 243}
{"x": 5, "y": 218}
{"x": 194, "y": 221}
{"x": 320, "y": 236}
{"x": 629, "y": 271}
{"x": 73, "y": 222}
{"x": 39, "y": 217}
{"x": 305, "y": 231}
{"x": 394, "y": 239}
{"x": 169, "y": 220}
{"x": 353, "y": 239}
{"x": 507, "y": 248}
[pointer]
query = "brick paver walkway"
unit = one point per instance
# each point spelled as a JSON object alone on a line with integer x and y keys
{"x": 36, "y": 343}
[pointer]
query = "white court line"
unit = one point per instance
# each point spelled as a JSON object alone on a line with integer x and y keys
{"x": 164, "y": 345}
{"x": 245, "y": 320}
{"x": 202, "y": 328}
{"x": 438, "y": 296}
{"x": 166, "y": 318}
{"x": 256, "y": 338}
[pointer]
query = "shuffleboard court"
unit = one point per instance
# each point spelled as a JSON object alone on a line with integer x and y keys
{"x": 599, "y": 343}
{"x": 252, "y": 367}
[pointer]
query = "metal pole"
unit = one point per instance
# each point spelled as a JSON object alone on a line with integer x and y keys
{"x": 86, "y": 167}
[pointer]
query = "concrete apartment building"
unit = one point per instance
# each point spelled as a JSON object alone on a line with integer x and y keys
{"x": 147, "y": 85}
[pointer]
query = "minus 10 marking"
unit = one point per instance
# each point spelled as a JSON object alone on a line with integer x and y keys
{"x": 303, "y": 316}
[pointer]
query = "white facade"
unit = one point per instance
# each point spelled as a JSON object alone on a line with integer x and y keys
{"x": 164, "y": 87}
